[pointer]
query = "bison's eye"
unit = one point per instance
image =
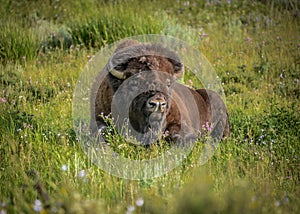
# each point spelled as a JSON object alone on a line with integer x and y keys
{"x": 156, "y": 105}
{"x": 152, "y": 104}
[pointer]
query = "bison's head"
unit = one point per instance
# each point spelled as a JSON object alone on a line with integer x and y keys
{"x": 132, "y": 57}
{"x": 144, "y": 99}
{"x": 141, "y": 78}
{"x": 148, "y": 111}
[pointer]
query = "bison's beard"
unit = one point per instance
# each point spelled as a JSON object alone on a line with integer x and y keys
{"x": 155, "y": 121}
{"x": 153, "y": 129}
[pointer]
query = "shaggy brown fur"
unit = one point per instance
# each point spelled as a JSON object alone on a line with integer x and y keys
{"x": 131, "y": 58}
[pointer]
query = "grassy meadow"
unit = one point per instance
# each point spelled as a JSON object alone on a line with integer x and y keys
{"x": 254, "y": 47}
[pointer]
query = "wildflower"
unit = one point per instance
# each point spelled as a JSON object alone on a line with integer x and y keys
{"x": 139, "y": 202}
{"x": 187, "y": 3}
{"x": 38, "y": 206}
{"x": 54, "y": 210}
{"x": 202, "y": 35}
{"x": 64, "y": 167}
{"x": 90, "y": 58}
{"x": 206, "y": 126}
{"x": 3, "y": 99}
{"x": 130, "y": 209}
{"x": 27, "y": 126}
{"x": 2, "y": 211}
{"x": 166, "y": 133}
{"x": 81, "y": 174}
{"x": 248, "y": 39}
{"x": 281, "y": 76}
{"x": 286, "y": 198}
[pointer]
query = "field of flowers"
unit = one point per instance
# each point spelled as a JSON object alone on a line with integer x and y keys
{"x": 254, "y": 47}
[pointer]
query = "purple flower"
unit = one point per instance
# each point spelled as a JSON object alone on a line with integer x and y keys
{"x": 3, "y": 99}
{"x": 207, "y": 126}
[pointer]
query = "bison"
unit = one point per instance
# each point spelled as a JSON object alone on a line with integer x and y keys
{"x": 140, "y": 85}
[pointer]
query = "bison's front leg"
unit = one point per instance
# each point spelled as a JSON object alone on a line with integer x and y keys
{"x": 180, "y": 134}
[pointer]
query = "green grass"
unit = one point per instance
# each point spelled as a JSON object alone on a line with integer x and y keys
{"x": 254, "y": 48}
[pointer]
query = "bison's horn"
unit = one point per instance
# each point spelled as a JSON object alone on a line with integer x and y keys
{"x": 111, "y": 69}
{"x": 117, "y": 74}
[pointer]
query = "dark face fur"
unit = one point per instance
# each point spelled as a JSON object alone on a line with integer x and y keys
{"x": 128, "y": 61}
{"x": 148, "y": 111}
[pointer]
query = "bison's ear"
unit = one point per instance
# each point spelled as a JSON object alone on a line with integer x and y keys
{"x": 178, "y": 68}
{"x": 118, "y": 62}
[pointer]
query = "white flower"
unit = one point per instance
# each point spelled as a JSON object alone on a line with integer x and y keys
{"x": 130, "y": 209}
{"x": 81, "y": 174}
{"x": 64, "y": 167}
{"x": 38, "y": 206}
{"x": 139, "y": 202}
